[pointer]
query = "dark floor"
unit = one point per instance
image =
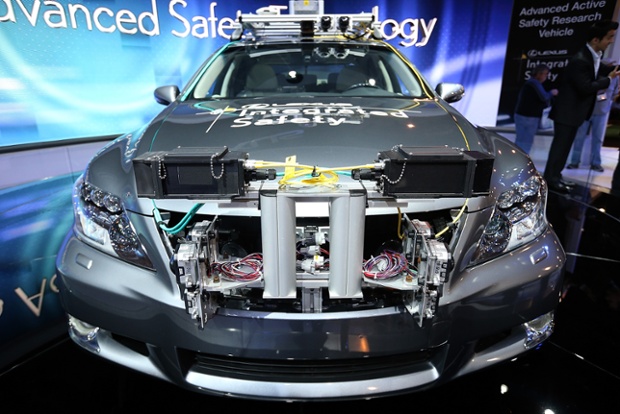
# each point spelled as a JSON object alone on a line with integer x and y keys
{"x": 576, "y": 371}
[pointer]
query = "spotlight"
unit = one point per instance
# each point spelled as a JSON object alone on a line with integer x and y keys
{"x": 307, "y": 28}
{"x": 326, "y": 23}
{"x": 343, "y": 23}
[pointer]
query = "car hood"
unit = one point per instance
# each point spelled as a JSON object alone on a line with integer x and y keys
{"x": 327, "y": 132}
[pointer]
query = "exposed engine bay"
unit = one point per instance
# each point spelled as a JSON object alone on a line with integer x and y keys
{"x": 279, "y": 263}
{"x": 341, "y": 260}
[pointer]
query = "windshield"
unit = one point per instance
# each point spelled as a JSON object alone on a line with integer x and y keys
{"x": 316, "y": 69}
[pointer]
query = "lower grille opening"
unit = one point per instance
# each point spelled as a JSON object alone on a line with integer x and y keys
{"x": 304, "y": 370}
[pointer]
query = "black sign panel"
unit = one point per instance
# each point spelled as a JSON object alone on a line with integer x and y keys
{"x": 548, "y": 32}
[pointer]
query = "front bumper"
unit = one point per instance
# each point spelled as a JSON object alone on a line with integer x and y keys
{"x": 143, "y": 325}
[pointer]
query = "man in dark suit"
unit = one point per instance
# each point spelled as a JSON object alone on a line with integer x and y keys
{"x": 583, "y": 77}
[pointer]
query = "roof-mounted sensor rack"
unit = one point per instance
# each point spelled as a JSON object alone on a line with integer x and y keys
{"x": 269, "y": 21}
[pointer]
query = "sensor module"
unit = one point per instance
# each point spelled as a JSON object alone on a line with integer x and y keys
{"x": 435, "y": 172}
{"x": 194, "y": 173}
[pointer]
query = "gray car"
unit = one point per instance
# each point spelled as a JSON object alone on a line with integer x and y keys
{"x": 309, "y": 220}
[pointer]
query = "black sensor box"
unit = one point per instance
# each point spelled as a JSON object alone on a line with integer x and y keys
{"x": 422, "y": 172}
{"x": 187, "y": 172}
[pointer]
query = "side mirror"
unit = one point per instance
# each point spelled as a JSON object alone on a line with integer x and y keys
{"x": 450, "y": 92}
{"x": 165, "y": 95}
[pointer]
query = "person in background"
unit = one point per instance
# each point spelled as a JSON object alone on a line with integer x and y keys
{"x": 532, "y": 100}
{"x": 583, "y": 77}
{"x": 597, "y": 125}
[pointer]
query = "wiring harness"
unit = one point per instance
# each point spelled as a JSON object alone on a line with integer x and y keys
{"x": 246, "y": 269}
{"x": 387, "y": 265}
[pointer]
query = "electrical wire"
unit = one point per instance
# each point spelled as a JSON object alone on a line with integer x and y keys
{"x": 399, "y": 231}
{"x": 308, "y": 175}
{"x": 309, "y": 178}
{"x": 274, "y": 164}
{"x": 181, "y": 225}
{"x": 387, "y": 265}
{"x": 246, "y": 269}
{"x": 453, "y": 223}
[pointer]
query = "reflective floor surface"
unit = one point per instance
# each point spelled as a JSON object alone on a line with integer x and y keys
{"x": 576, "y": 371}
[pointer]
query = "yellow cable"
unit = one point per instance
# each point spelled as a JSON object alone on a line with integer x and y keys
{"x": 291, "y": 163}
{"x": 274, "y": 164}
{"x": 401, "y": 236}
{"x": 319, "y": 175}
{"x": 325, "y": 177}
{"x": 456, "y": 219}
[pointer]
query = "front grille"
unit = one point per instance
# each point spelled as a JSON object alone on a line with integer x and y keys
{"x": 303, "y": 370}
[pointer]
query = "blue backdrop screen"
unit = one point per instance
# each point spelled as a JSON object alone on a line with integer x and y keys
{"x": 72, "y": 69}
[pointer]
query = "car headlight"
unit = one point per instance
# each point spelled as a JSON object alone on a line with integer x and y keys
{"x": 101, "y": 218}
{"x": 519, "y": 217}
